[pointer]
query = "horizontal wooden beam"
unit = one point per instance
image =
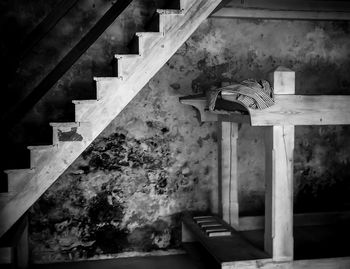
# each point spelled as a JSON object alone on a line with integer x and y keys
{"x": 248, "y": 223}
{"x": 309, "y": 5}
{"x": 295, "y": 10}
{"x": 304, "y": 110}
{"x": 287, "y": 110}
{"x": 331, "y": 263}
{"x": 200, "y": 103}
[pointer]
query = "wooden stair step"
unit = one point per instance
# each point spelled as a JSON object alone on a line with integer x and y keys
{"x": 106, "y": 85}
{"x": 146, "y": 40}
{"x": 39, "y": 154}
{"x": 227, "y": 247}
{"x": 82, "y": 108}
{"x": 16, "y": 178}
{"x": 167, "y": 21}
{"x": 70, "y": 131}
{"x": 143, "y": 41}
{"x": 125, "y": 64}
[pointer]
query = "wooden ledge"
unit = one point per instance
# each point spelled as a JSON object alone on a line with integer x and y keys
{"x": 287, "y": 110}
{"x": 200, "y": 103}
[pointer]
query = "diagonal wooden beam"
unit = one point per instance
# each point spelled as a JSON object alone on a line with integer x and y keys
{"x": 21, "y": 108}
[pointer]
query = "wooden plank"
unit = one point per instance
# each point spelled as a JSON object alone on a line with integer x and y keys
{"x": 228, "y": 174}
{"x": 201, "y": 104}
{"x": 248, "y": 223}
{"x": 282, "y": 10}
{"x": 279, "y": 147}
{"x": 304, "y": 110}
{"x": 283, "y": 80}
{"x": 307, "y": 5}
{"x": 287, "y": 110}
{"x": 227, "y": 248}
{"x": 21, "y": 108}
{"x": 333, "y": 263}
{"x": 255, "y": 13}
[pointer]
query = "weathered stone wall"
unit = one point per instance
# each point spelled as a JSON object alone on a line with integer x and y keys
{"x": 127, "y": 192}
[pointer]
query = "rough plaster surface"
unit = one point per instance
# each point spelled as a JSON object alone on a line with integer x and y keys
{"x": 127, "y": 191}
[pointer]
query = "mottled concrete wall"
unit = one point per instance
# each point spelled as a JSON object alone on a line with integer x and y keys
{"x": 127, "y": 191}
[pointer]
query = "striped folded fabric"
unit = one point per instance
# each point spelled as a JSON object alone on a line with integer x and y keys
{"x": 249, "y": 93}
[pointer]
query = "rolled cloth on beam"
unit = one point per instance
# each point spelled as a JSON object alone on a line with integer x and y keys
{"x": 248, "y": 93}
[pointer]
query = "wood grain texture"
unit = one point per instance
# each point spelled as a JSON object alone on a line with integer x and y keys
{"x": 304, "y": 110}
{"x": 287, "y": 110}
{"x": 228, "y": 173}
{"x": 279, "y": 148}
{"x": 256, "y": 13}
{"x": 283, "y": 80}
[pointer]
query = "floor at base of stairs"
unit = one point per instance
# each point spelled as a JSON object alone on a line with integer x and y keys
{"x": 151, "y": 262}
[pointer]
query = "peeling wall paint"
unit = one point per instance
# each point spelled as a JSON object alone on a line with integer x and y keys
{"x": 127, "y": 191}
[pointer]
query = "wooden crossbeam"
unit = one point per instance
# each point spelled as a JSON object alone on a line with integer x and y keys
{"x": 304, "y": 110}
{"x": 285, "y": 10}
{"x": 287, "y": 110}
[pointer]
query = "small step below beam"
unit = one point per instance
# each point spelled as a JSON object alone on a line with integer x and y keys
{"x": 226, "y": 248}
{"x": 201, "y": 104}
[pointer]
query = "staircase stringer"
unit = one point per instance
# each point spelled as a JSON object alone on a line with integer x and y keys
{"x": 122, "y": 92}
{"x": 116, "y": 95}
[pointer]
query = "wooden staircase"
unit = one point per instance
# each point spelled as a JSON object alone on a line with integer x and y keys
{"x": 70, "y": 139}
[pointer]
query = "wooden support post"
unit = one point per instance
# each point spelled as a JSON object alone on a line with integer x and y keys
{"x": 228, "y": 173}
{"x": 279, "y": 147}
